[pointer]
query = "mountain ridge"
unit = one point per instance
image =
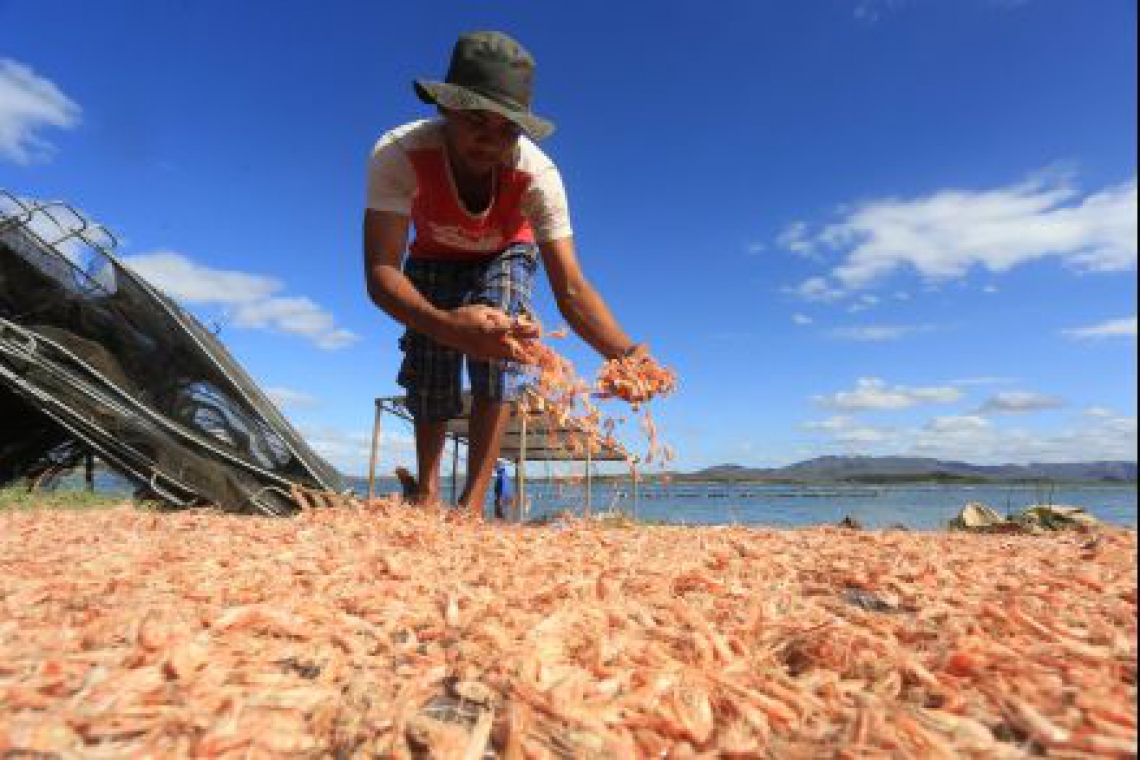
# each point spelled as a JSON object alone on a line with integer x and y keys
{"x": 859, "y": 468}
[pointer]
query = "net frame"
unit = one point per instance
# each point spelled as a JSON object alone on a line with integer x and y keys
{"x": 191, "y": 427}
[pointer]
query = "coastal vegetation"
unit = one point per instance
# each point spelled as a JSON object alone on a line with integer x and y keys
{"x": 20, "y": 497}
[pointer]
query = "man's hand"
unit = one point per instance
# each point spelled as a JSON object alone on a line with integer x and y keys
{"x": 637, "y": 352}
{"x": 487, "y": 333}
{"x": 634, "y": 376}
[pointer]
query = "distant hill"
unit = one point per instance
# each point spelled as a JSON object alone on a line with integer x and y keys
{"x": 867, "y": 469}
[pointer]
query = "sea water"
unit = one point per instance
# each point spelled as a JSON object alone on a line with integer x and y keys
{"x": 922, "y": 507}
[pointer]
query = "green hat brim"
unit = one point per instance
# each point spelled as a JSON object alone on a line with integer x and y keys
{"x": 463, "y": 99}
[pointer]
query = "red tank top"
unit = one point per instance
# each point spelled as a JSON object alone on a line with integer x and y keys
{"x": 447, "y": 230}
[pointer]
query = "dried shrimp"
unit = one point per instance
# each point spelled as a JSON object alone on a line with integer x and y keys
{"x": 382, "y": 630}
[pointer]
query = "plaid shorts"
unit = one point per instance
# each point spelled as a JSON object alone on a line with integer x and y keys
{"x": 431, "y": 372}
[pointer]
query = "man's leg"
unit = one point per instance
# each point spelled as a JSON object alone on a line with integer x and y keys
{"x": 431, "y": 374}
{"x": 488, "y": 421}
{"x": 505, "y": 283}
{"x": 430, "y": 436}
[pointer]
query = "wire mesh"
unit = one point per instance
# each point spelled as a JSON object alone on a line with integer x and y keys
{"x": 94, "y": 358}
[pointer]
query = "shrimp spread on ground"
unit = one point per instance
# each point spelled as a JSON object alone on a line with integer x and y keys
{"x": 383, "y": 630}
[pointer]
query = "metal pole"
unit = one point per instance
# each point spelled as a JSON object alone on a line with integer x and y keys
{"x": 375, "y": 447}
{"x": 589, "y": 480}
{"x": 454, "y": 467}
{"x": 514, "y": 507}
{"x": 636, "y": 489}
{"x": 89, "y": 471}
{"x": 524, "y": 507}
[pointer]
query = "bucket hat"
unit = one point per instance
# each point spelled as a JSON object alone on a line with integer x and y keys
{"x": 489, "y": 71}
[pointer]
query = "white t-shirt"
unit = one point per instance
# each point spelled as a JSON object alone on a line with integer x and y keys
{"x": 409, "y": 174}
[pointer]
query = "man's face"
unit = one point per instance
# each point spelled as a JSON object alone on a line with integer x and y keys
{"x": 480, "y": 140}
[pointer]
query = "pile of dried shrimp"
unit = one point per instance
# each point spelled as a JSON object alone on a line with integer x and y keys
{"x": 384, "y": 630}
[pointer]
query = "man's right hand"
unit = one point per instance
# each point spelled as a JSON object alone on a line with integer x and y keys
{"x": 485, "y": 332}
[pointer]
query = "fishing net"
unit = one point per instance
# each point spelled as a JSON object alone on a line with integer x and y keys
{"x": 94, "y": 359}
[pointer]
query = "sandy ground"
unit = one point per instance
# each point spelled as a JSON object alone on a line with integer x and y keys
{"x": 388, "y": 631}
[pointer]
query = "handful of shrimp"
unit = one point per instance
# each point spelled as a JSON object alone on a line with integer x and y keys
{"x": 635, "y": 378}
{"x": 525, "y": 339}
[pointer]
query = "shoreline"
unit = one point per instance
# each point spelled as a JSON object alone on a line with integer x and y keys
{"x": 550, "y": 509}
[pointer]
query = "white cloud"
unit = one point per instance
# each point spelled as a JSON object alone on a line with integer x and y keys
{"x": 1019, "y": 402}
{"x": 297, "y": 315}
{"x": 962, "y": 424}
{"x": 251, "y": 298}
{"x": 878, "y": 333}
{"x": 852, "y": 432}
{"x": 189, "y": 282}
{"x": 1125, "y": 327}
{"x": 1091, "y": 439}
{"x": 28, "y": 102}
{"x": 287, "y": 397}
{"x": 350, "y": 451}
{"x": 816, "y": 289}
{"x": 832, "y": 424}
{"x": 795, "y": 238}
{"x": 985, "y": 380}
{"x": 871, "y": 393}
{"x": 971, "y": 438}
{"x": 863, "y": 303}
{"x": 801, "y": 319}
{"x": 872, "y": 11}
{"x": 945, "y": 235}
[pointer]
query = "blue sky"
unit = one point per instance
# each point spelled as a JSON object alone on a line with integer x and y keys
{"x": 892, "y": 227}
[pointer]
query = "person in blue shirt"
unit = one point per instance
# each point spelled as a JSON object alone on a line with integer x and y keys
{"x": 504, "y": 490}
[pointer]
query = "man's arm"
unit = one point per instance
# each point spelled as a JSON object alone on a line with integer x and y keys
{"x": 476, "y": 330}
{"x": 385, "y": 237}
{"x": 579, "y": 304}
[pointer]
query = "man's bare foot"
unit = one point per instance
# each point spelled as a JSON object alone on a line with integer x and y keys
{"x": 408, "y": 484}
